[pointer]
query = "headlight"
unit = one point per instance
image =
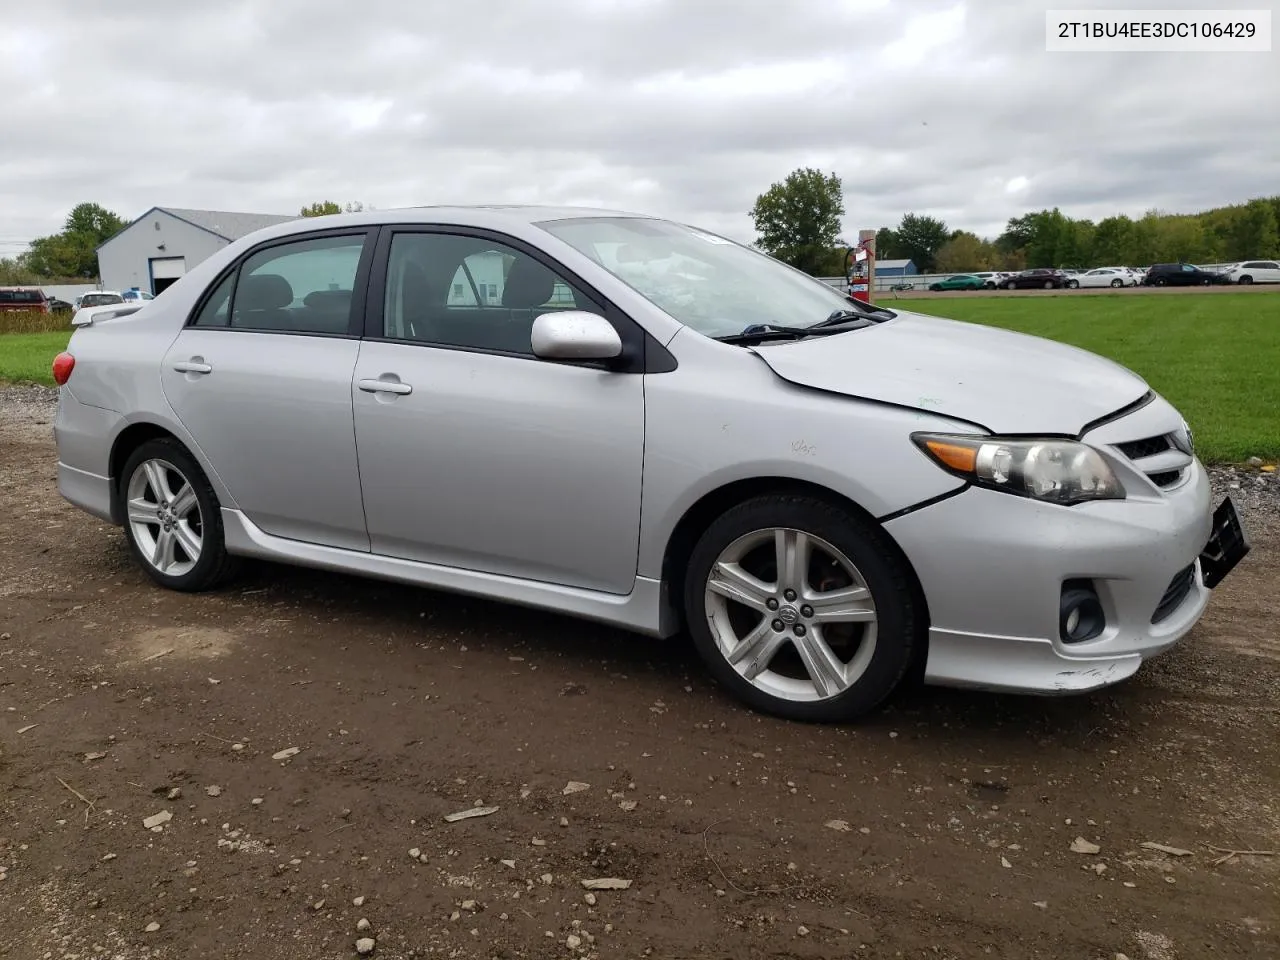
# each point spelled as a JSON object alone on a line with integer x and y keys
{"x": 1058, "y": 471}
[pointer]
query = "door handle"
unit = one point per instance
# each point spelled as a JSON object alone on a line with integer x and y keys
{"x": 384, "y": 386}
{"x": 194, "y": 365}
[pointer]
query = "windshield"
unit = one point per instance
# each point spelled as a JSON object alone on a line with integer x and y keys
{"x": 711, "y": 284}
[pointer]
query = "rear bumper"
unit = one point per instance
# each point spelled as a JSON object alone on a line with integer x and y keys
{"x": 88, "y": 491}
{"x": 993, "y": 566}
{"x": 82, "y": 434}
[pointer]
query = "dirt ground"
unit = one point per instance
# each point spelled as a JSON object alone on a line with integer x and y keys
{"x": 942, "y": 828}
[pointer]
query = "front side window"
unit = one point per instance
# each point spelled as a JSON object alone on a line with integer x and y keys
{"x": 706, "y": 282}
{"x": 300, "y": 287}
{"x": 464, "y": 291}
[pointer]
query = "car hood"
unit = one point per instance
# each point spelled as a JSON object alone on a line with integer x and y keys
{"x": 1004, "y": 381}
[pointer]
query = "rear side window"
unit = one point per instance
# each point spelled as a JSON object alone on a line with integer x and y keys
{"x": 214, "y": 311}
{"x": 302, "y": 287}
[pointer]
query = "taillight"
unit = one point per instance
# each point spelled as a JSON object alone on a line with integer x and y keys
{"x": 63, "y": 364}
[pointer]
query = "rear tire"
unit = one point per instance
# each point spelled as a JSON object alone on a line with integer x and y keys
{"x": 172, "y": 519}
{"x": 828, "y": 640}
{"x": 1117, "y": 283}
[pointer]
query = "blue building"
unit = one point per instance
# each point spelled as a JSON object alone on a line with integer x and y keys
{"x": 896, "y": 268}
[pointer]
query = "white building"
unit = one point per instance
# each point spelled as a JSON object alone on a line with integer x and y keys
{"x": 165, "y": 242}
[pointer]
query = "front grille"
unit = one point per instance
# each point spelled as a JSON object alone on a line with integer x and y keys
{"x": 1176, "y": 592}
{"x": 1148, "y": 447}
{"x": 1166, "y": 478}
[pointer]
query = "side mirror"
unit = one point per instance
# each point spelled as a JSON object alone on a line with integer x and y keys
{"x": 574, "y": 335}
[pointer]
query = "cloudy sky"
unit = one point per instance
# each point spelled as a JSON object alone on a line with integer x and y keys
{"x": 685, "y": 108}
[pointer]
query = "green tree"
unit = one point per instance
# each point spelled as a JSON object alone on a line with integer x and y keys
{"x": 887, "y": 244}
{"x": 799, "y": 219}
{"x": 323, "y": 208}
{"x": 1113, "y": 242}
{"x": 965, "y": 252}
{"x": 1018, "y": 234}
{"x": 920, "y": 238}
{"x": 1254, "y": 233}
{"x": 73, "y": 251}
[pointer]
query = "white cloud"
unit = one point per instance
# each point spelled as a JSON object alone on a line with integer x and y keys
{"x": 684, "y": 108}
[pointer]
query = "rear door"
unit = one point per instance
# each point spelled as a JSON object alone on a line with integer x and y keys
{"x": 476, "y": 454}
{"x": 261, "y": 377}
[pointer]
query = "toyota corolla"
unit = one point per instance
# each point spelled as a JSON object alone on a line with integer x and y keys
{"x": 648, "y": 425}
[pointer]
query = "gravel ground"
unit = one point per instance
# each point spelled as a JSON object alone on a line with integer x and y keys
{"x": 302, "y": 737}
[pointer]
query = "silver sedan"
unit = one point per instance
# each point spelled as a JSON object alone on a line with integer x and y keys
{"x": 646, "y": 424}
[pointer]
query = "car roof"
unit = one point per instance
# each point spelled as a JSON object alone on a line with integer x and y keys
{"x": 496, "y": 216}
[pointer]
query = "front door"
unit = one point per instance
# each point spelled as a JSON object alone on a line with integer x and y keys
{"x": 262, "y": 381}
{"x": 474, "y": 453}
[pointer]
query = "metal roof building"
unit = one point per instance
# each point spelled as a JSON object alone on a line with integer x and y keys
{"x": 165, "y": 242}
{"x": 896, "y": 268}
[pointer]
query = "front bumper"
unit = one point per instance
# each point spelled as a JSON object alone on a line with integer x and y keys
{"x": 992, "y": 567}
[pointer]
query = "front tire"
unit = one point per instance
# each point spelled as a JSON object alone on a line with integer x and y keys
{"x": 1073, "y": 284}
{"x": 172, "y": 519}
{"x": 801, "y": 609}
{"x": 1245, "y": 279}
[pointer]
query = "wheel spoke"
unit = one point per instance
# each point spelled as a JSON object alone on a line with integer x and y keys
{"x": 824, "y": 668}
{"x": 157, "y": 481}
{"x": 184, "y": 501}
{"x": 792, "y": 552}
{"x": 846, "y": 605}
{"x": 162, "y": 556}
{"x": 140, "y": 511}
{"x": 754, "y": 652}
{"x": 731, "y": 581}
{"x": 187, "y": 539}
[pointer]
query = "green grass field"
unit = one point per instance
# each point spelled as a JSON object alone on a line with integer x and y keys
{"x": 28, "y": 357}
{"x": 1215, "y": 357}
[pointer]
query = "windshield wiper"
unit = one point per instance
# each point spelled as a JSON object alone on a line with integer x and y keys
{"x": 838, "y": 322}
{"x": 765, "y": 331}
{"x": 861, "y": 313}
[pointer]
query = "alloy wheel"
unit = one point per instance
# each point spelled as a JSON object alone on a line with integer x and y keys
{"x": 791, "y": 614}
{"x": 164, "y": 517}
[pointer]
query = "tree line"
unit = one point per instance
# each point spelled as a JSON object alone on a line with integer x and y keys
{"x": 799, "y": 222}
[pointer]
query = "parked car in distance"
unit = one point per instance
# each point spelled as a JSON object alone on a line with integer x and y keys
{"x": 1181, "y": 275}
{"x": 961, "y": 281}
{"x": 24, "y": 298}
{"x": 1253, "y": 271}
{"x": 1041, "y": 277}
{"x": 134, "y": 295}
{"x": 835, "y": 495}
{"x": 1102, "y": 277}
{"x": 990, "y": 278}
{"x": 100, "y": 298}
{"x": 60, "y": 306}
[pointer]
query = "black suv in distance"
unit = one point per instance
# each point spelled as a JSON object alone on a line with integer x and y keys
{"x": 1181, "y": 275}
{"x": 1041, "y": 278}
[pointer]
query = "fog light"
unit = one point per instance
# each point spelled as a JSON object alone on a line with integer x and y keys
{"x": 1080, "y": 614}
